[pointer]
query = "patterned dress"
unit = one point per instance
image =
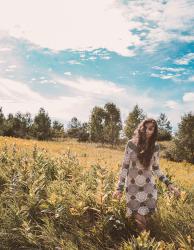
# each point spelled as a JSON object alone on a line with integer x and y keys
{"x": 139, "y": 183}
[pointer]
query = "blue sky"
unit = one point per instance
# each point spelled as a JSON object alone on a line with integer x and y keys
{"x": 68, "y": 56}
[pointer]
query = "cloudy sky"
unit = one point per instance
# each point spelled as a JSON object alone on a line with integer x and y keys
{"x": 68, "y": 56}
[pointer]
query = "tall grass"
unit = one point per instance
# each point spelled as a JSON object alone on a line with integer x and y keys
{"x": 50, "y": 201}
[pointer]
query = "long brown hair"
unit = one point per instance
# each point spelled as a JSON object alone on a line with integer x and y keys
{"x": 145, "y": 151}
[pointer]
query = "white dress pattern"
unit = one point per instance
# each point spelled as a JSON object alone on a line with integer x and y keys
{"x": 139, "y": 183}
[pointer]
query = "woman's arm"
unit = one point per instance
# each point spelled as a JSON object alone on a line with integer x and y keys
{"x": 156, "y": 167}
{"x": 124, "y": 168}
{"x": 162, "y": 177}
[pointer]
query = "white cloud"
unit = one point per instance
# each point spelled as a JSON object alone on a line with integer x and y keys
{"x": 188, "y": 97}
{"x": 91, "y": 86}
{"x": 171, "y": 104}
{"x": 10, "y": 62}
{"x": 176, "y": 109}
{"x": 191, "y": 79}
{"x": 5, "y": 49}
{"x": 73, "y": 62}
{"x": 12, "y": 66}
{"x": 168, "y": 69}
{"x": 64, "y": 24}
{"x": 98, "y": 92}
{"x": 165, "y": 76}
{"x": 9, "y": 70}
{"x": 67, "y": 73}
{"x": 89, "y": 24}
{"x": 17, "y": 96}
{"x": 168, "y": 73}
{"x": 187, "y": 39}
{"x": 185, "y": 60}
{"x": 163, "y": 22}
{"x": 15, "y": 91}
{"x": 44, "y": 81}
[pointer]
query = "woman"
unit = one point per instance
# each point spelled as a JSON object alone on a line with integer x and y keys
{"x": 140, "y": 163}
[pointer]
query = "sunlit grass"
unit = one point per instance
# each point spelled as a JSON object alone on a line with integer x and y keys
{"x": 58, "y": 195}
{"x": 90, "y": 153}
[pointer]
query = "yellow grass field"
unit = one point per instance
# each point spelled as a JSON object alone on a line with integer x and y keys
{"x": 182, "y": 173}
{"x": 58, "y": 195}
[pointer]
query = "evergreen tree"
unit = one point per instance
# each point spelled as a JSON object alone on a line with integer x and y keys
{"x": 83, "y": 134}
{"x": 73, "y": 128}
{"x": 9, "y": 124}
{"x": 96, "y": 124}
{"x": 21, "y": 124}
{"x": 2, "y": 120}
{"x": 184, "y": 139}
{"x": 27, "y": 118}
{"x": 132, "y": 121}
{"x": 17, "y": 125}
{"x": 57, "y": 129}
{"x": 164, "y": 128}
{"x": 113, "y": 123}
{"x": 41, "y": 128}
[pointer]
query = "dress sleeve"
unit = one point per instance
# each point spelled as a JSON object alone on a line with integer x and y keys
{"x": 156, "y": 167}
{"x": 124, "y": 168}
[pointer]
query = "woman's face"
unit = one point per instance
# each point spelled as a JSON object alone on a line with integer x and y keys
{"x": 149, "y": 129}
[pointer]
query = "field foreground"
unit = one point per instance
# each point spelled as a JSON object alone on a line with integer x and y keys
{"x": 58, "y": 195}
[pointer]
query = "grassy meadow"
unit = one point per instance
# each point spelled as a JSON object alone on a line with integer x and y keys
{"x": 58, "y": 195}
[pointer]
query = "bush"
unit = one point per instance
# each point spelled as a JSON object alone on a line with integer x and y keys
{"x": 182, "y": 147}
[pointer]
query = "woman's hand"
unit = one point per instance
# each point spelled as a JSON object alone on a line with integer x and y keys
{"x": 174, "y": 190}
{"x": 117, "y": 194}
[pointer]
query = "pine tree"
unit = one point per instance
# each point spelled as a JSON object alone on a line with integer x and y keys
{"x": 73, "y": 127}
{"x": 83, "y": 134}
{"x": 96, "y": 124}
{"x": 184, "y": 139}
{"x": 132, "y": 121}
{"x": 41, "y": 128}
{"x": 2, "y": 120}
{"x": 113, "y": 123}
{"x": 164, "y": 128}
{"x": 57, "y": 129}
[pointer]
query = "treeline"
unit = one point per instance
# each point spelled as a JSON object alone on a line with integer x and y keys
{"x": 24, "y": 126}
{"x": 104, "y": 126}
